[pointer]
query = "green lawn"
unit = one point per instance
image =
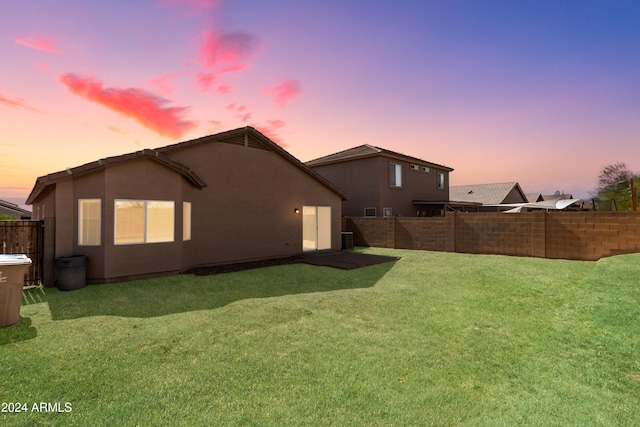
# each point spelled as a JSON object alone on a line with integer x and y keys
{"x": 432, "y": 339}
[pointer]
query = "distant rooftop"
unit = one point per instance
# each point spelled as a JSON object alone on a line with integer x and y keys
{"x": 488, "y": 194}
{"x": 367, "y": 150}
{"x": 8, "y": 208}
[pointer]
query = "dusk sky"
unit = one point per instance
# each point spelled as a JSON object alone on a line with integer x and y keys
{"x": 540, "y": 92}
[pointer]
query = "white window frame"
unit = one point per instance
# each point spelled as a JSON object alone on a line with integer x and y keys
{"x": 186, "y": 221}
{"x": 441, "y": 181}
{"x": 415, "y": 167}
{"x": 375, "y": 213}
{"x": 425, "y": 169}
{"x": 81, "y": 217}
{"x": 397, "y": 175}
{"x": 387, "y": 212}
{"x": 145, "y": 234}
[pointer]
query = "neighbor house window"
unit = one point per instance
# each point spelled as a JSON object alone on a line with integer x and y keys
{"x": 395, "y": 175}
{"x": 440, "y": 180}
{"x": 186, "y": 220}
{"x": 370, "y": 212}
{"x": 425, "y": 169}
{"x": 387, "y": 212}
{"x": 89, "y": 222}
{"x": 415, "y": 167}
{"x": 143, "y": 221}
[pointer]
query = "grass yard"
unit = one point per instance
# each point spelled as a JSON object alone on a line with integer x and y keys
{"x": 432, "y": 339}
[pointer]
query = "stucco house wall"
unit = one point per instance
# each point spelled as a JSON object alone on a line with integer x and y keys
{"x": 364, "y": 174}
{"x": 246, "y": 204}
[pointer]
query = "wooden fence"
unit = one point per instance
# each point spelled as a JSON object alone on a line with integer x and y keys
{"x": 24, "y": 237}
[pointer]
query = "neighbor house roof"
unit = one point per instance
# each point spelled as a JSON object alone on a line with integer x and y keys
{"x": 364, "y": 151}
{"x": 557, "y": 196}
{"x": 487, "y": 194}
{"x": 8, "y": 208}
{"x": 247, "y": 135}
{"x": 534, "y": 197}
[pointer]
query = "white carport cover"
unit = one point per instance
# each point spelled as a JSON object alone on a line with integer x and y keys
{"x": 545, "y": 204}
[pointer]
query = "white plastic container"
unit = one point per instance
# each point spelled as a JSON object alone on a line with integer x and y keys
{"x": 12, "y": 271}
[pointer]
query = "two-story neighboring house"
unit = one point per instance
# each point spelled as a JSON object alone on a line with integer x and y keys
{"x": 383, "y": 183}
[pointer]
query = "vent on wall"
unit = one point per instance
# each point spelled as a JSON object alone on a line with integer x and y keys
{"x": 240, "y": 140}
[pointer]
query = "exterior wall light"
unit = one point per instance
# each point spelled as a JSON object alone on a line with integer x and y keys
{"x": 296, "y": 210}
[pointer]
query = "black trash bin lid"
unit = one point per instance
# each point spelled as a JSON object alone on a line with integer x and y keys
{"x": 71, "y": 261}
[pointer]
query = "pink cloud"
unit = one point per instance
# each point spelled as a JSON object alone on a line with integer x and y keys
{"x": 18, "y": 103}
{"x": 243, "y": 113}
{"x": 205, "y": 81}
{"x": 238, "y": 108}
{"x": 271, "y": 129}
{"x": 223, "y": 53}
{"x": 38, "y": 42}
{"x": 227, "y": 49}
{"x": 234, "y": 68}
{"x": 276, "y": 124}
{"x": 162, "y": 83}
{"x": 222, "y": 89}
{"x": 284, "y": 92}
{"x": 147, "y": 109}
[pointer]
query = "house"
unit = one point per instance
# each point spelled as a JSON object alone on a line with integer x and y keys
{"x": 487, "y": 197}
{"x": 12, "y": 210}
{"x": 383, "y": 183}
{"x": 230, "y": 197}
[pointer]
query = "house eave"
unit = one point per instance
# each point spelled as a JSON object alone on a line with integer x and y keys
{"x": 43, "y": 182}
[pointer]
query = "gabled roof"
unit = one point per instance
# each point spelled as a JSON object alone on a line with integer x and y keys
{"x": 251, "y": 137}
{"x": 43, "y": 182}
{"x": 364, "y": 151}
{"x": 534, "y": 197}
{"x": 487, "y": 194}
{"x": 244, "y": 136}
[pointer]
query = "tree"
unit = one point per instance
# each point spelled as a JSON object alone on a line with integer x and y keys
{"x": 614, "y": 184}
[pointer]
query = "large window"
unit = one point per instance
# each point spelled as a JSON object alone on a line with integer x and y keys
{"x": 395, "y": 175}
{"x": 89, "y": 222}
{"x": 143, "y": 221}
{"x": 186, "y": 220}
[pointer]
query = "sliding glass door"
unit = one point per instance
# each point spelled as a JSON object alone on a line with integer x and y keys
{"x": 316, "y": 228}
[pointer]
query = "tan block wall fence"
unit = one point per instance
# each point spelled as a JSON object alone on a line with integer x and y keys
{"x": 567, "y": 235}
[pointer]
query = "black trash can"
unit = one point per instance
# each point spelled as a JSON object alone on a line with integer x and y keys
{"x": 71, "y": 272}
